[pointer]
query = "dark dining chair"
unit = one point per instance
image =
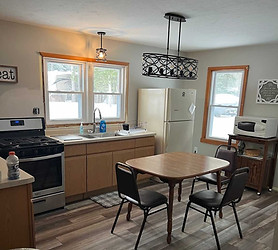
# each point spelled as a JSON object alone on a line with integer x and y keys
{"x": 144, "y": 199}
{"x": 224, "y": 152}
{"x": 214, "y": 201}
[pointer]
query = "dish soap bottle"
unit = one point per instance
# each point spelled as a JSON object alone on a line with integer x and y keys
{"x": 81, "y": 129}
{"x": 102, "y": 126}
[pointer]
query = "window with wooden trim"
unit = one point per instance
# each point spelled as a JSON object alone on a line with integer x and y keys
{"x": 225, "y": 93}
{"x": 74, "y": 87}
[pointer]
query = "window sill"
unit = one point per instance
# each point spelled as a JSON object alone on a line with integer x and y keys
{"x": 216, "y": 142}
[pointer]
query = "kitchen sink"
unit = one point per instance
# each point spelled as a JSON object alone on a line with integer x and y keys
{"x": 99, "y": 135}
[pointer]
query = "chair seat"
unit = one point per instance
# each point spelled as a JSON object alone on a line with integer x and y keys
{"x": 212, "y": 179}
{"x": 151, "y": 198}
{"x": 207, "y": 198}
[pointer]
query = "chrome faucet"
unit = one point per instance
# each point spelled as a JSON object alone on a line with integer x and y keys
{"x": 94, "y": 118}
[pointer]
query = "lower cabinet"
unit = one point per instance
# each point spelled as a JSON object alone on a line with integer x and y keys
{"x": 258, "y": 174}
{"x": 91, "y": 166}
{"x": 121, "y": 156}
{"x": 141, "y": 152}
{"x": 99, "y": 171}
{"x": 75, "y": 175}
{"x": 17, "y": 218}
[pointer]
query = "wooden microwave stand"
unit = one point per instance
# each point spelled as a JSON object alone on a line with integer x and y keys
{"x": 262, "y": 168}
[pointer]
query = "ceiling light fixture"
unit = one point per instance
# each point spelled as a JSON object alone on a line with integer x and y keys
{"x": 101, "y": 52}
{"x": 170, "y": 66}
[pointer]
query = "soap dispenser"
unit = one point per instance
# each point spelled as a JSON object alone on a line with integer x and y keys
{"x": 102, "y": 126}
{"x": 81, "y": 129}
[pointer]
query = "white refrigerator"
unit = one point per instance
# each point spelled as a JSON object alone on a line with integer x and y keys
{"x": 169, "y": 113}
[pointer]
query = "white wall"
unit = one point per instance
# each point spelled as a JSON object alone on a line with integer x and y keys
{"x": 263, "y": 62}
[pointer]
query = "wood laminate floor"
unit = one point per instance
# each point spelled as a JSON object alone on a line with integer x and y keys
{"x": 87, "y": 225}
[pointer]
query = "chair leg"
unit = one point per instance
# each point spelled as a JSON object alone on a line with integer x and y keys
{"x": 237, "y": 222}
{"x": 192, "y": 186}
{"x": 185, "y": 215}
{"x": 207, "y": 186}
{"x": 206, "y": 215}
{"x": 117, "y": 216}
{"x": 146, "y": 212}
{"x": 129, "y": 208}
{"x": 214, "y": 230}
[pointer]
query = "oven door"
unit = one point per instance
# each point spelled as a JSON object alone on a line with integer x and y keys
{"x": 48, "y": 172}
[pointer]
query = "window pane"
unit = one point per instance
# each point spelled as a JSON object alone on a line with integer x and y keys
{"x": 227, "y": 86}
{"x": 64, "y": 77}
{"x": 109, "y": 105}
{"x": 65, "y": 106}
{"x": 221, "y": 122}
{"x": 106, "y": 80}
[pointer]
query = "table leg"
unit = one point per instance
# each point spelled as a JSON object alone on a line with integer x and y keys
{"x": 179, "y": 191}
{"x": 170, "y": 210}
{"x": 219, "y": 190}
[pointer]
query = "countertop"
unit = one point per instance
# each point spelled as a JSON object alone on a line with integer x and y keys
{"x": 24, "y": 178}
{"x": 71, "y": 139}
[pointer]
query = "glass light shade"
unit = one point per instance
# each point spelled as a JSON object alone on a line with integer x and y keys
{"x": 101, "y": 54}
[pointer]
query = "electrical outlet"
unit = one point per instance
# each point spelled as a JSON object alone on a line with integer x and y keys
{"x": 195, "y": 151}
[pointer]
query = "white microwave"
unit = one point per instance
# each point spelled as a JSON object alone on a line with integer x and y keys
{"x": 257, "y": 127}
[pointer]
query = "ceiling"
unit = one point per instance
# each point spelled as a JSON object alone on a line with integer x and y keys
{"x": 210, "y": 24}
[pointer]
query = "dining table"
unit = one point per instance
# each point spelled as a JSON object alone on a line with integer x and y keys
{"x": 173, "y": 168}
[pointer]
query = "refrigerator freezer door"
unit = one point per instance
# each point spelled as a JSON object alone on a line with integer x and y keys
{"x": 178, "y": 136}
{"x": 181, "y": 104}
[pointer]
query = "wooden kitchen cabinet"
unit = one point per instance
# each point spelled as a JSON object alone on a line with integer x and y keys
{"x": 75, "y": 169}
{"x": 99, "y": 171}
{"x": 91, "y": 166}
{"x": 17, "y": 217}
{"x": 142, "y": 152}
{"x": 122, "y": 156}
{"x": 262, "y": 168}
{"x": 75, "y": 175}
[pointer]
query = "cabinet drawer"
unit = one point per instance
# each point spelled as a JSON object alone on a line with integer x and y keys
{"x": 100, "y": 147}
{"x": 73, "y": 150}
{"x": 144, "y": 151}
{"x": 146, "y": 141}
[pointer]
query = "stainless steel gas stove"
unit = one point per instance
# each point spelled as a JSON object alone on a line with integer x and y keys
{"x": 39, "y": 155}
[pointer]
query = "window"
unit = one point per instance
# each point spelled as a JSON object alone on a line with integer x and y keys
{"x": 74, "y": 88}
{"x": 224, "y": 100}
{"x": 108, "y": 94}
{"x": 65, "y": 90}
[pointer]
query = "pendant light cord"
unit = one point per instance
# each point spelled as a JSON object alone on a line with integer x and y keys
{"x": 179, "y": 39}
{"x": 168, "y": 40}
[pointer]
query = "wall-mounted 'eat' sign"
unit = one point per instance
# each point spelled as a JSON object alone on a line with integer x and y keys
{"x": 8, "y": 74}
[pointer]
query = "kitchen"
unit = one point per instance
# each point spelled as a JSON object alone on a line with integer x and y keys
{"x": 21, "y": 44}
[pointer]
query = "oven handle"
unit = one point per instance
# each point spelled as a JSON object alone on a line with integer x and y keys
{"x": 40, "y": 158}
{"x": 35, "y": 201}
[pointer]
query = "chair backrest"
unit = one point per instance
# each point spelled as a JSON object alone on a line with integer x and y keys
{"x": 228, "y": 153}
{"x": 235, "y": 186}
{"x": 126, "y": 182}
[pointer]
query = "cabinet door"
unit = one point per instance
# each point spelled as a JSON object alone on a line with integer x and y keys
{"x": 121, "y": 156}
{"x": 141, "y": 152}
{"x": 75, "y": 175}
{"x": 17, "y": 217}
{"x": 255, "y": 168}
{"x": 99, "y": 171}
